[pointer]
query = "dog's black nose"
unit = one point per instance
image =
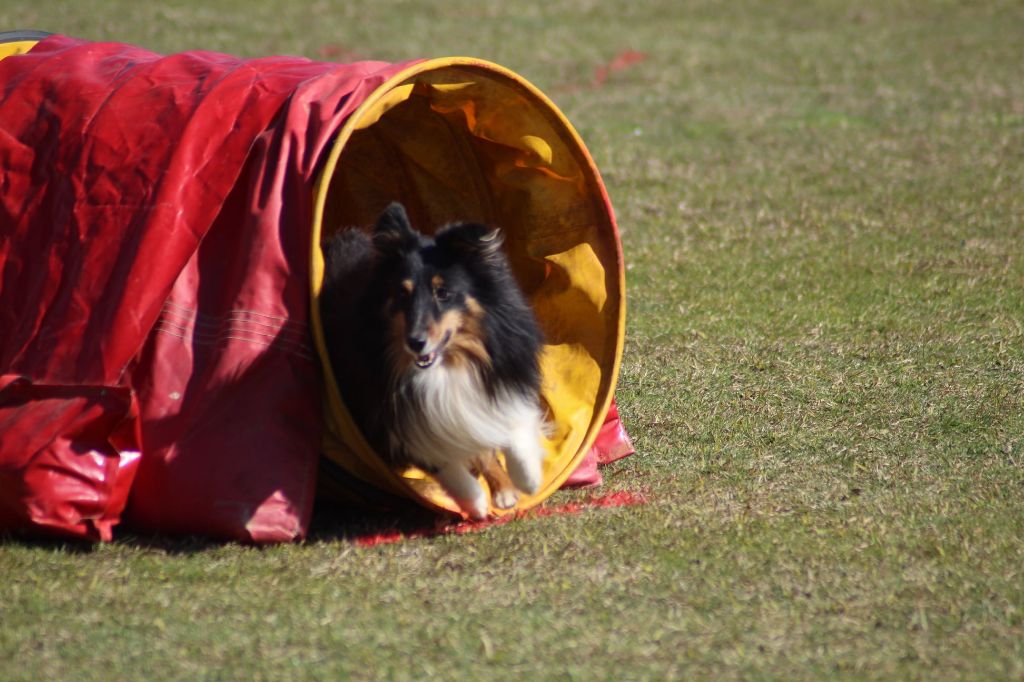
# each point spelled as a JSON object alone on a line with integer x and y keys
{"x": 416, "y": 343}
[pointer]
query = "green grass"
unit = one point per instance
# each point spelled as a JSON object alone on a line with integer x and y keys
{"x": 822, "y": 209}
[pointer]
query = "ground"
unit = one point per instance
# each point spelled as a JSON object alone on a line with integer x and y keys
{"x": 821, "y": 209}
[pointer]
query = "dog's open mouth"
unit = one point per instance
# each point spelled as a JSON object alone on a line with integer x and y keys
{"x": 424, "y": 361}
{"x": 428, "y": 359}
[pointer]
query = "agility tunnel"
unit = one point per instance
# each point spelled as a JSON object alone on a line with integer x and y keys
{"x": 162, "y": 360}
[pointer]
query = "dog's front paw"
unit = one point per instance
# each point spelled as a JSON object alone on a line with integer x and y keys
{"x": 465, "y": 490}
{"x": 476, "y": 508}
{"x": 505, "y": 499}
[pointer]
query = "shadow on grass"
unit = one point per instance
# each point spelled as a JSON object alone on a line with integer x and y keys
{"x": 54, "y": 545}
{"x": 330, "y": 523}
{"x": 337, "y": 523}
{"x": 334, "y": 523}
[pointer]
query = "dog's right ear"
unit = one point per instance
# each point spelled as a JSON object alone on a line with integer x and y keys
{"x": 472, "y": 238}
{"x": 393, "y": 232}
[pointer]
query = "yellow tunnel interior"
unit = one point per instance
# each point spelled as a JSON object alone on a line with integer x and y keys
{"x": 458, "y": 139}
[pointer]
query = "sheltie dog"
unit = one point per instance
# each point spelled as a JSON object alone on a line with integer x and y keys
{"x": 436, "y": 355}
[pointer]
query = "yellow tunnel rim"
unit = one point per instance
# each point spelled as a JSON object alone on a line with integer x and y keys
{"x": 392, "y": 480}
{"x": 19, "y": 41}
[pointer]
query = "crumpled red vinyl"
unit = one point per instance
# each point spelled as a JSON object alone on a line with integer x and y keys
{"x": 611, "y": 445}
{"x": 155, "y": 356}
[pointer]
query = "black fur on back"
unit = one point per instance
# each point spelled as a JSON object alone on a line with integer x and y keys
{"x": 352, "y": 330}
{"x": 361, "y": 277}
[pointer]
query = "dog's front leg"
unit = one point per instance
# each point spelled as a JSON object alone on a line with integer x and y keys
{"x": 503, "y": 491}
{"x": 525, "y": 457}
{"x": 464, "y": 489}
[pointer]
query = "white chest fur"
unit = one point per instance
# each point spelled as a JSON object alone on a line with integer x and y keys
{"x": 448, "y": 417}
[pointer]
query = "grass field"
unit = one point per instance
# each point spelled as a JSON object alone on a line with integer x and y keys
{"x": 822, "y": 209}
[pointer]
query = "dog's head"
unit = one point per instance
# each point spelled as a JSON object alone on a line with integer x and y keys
{"x": 433, "y": 298}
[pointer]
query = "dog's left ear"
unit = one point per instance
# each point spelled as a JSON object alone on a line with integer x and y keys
{"x": 472, "y": 238}
{"x": 393, "y": 233}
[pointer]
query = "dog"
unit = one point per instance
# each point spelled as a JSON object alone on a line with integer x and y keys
{"x": 436, "y": 353}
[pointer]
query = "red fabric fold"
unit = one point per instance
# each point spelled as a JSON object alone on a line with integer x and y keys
{"x": 69, "y": 474}
{"x": 612, "y": 444}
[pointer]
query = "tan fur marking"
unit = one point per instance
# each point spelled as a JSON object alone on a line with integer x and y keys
{"x": 408, "y": 285}
{"x": 467, "y": 344}
{"x": 473, "y": 306}
{"x": 450, "y": 322}
{"x": 437, "y": 281}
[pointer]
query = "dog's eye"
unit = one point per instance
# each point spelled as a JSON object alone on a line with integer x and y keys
{"x": 442, "y": 294}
